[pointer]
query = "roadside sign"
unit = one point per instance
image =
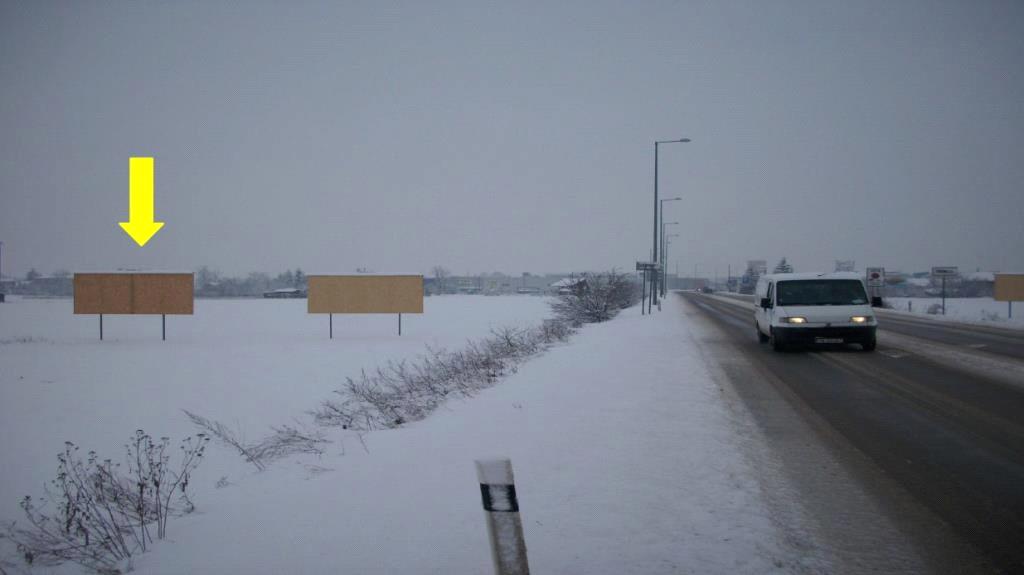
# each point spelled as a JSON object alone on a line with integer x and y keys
{"x": 943, "y": 272}
{"x": 646, "y": 266}
{"x": 1008, "y": 287}
{"x": 876, "y": 277}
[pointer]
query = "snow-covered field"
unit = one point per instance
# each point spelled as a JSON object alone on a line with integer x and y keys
{"x": 625, "y": 457}
{"x": 248, "y": 363}
{"x": 983, "y": 310}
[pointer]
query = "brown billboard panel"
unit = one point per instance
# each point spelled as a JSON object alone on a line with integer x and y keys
{"x": 162, "y": 293}
{"x": 134, "y": 293}
{"x": 103, "y": 293}
{"x": 1009, "y": 287}
{"x": 365, "y": 294}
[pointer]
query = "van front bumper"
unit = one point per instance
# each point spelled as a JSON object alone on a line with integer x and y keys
{"x": 848, "y": 334}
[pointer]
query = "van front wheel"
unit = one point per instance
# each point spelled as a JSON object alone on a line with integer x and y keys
{"x": 869, "y": 345}
{"x": 777, "y": 344}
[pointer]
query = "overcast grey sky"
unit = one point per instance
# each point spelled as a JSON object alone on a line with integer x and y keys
{"x": 513, "y": 136}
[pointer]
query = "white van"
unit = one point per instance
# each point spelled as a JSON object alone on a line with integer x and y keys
{"x": 809, "y": 308}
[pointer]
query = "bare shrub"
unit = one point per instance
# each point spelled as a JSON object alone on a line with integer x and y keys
{"x": 226, "y": 436}
{"x": 284, "y": 441}
{"x": 404, "y": 391}
{"x": 552, "y": 331}
{"x": 287, "y": 440}
{"x": 596, "y": 298}
{"x": 101, "y": 515}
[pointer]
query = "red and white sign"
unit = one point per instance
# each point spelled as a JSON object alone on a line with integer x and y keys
{"x": 876, "y": 277}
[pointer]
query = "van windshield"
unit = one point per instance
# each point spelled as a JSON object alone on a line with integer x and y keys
{"x": 821, "y": 292}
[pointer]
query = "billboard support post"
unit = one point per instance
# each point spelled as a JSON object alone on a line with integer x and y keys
{"x": 101, "y": 327}
{"x": 163, "y": 327}
{"x": 330, "y": 326}
{"x": 399, "y": 324}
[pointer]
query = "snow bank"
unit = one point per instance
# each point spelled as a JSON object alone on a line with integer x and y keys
{"x": 980, "y": 310}
{"x": 625, "y": 462}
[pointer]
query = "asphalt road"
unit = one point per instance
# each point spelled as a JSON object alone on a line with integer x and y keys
{"x": 1004, "y": 342}
{"x": 951, "y": 436}
{"x": 988, "y": 339}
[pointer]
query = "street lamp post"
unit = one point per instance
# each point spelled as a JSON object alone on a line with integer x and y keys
{"x": 664, "y": 255}
{"x": 661, "y": 218}
{"x": 655, "y": 230}
{"x": 664, "y": 260}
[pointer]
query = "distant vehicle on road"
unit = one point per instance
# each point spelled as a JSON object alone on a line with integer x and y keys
{"x": 707, "y": 289}
{"x": 813, "y": 308}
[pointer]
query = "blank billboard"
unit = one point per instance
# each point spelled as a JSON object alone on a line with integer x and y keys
{"x": 1009, "y": 287}
{"x": 365, "y": 294}
{"x": 134, "y": 293}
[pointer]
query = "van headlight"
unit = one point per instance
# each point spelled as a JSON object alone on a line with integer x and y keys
{"x": 796, "y": 319}
{"x": 860, "y": 319}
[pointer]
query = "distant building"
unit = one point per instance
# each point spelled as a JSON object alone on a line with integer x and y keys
{"x": 845, "y": 265}
{"x": 43, "y": 286}
{"x": 977, "y": 284}
{"x": 286, "y": 294}
{"x": 755, "y": 269}
{"x": 468, "y": 285}
{"x": 569, "y": 285}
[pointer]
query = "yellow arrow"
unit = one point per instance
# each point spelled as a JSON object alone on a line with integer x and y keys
{"x": 140, "y": 225}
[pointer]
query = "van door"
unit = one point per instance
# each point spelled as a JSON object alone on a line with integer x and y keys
{"x": 769, "y": 314}
{"x": 759, "y": 292}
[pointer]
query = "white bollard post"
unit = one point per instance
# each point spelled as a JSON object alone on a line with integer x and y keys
{"x": 498, "y": 491}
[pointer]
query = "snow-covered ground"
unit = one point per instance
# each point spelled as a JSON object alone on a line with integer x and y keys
{"x": 248, "y": 363}
{"x": 981, "y": 310}
{"x": 626, "y": 459}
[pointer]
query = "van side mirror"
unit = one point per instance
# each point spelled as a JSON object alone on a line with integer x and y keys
{"x": 766, "y": 303}
{"x": 876, "y": 301}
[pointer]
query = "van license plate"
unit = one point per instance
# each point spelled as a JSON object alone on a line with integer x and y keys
{"x": 828, "y": 340}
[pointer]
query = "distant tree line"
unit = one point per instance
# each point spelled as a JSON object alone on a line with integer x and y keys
{"x": 211, "y": 283}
